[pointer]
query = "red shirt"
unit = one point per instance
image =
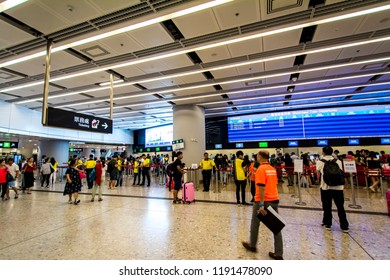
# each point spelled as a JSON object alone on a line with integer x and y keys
{"x": 3, "y": 175}
{"x": 99, "y": 172}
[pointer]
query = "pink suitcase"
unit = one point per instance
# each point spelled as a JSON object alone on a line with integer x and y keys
{"x": 388, "y": 202}
{"x": 188, "y": 192}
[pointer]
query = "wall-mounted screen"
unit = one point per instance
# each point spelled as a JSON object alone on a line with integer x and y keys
{"x": 322, "y": 142}
{"x": 218, "y": 146}
{"x": 293, "y": 143}
{"x": 353, "y": 142}
{"x": 357, "y": 121}
{"x": 159, "y": 136}
{"x": 385, "y": 141}
{"x": 239, "y": 145}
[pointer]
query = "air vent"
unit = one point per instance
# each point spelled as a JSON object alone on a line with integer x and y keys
{"x": 316, "y": 3}
{"x": 217, "y": 87}
{"x": 139, "y": 86}
{"x": 294, "y": 77}
{"x": 230, "y": 103}
{"x": 307, "y": 34}
{"x": 285, "y": 103}
{"x": 172, "y": 29}
{"x": 194, "y": 57}
{"x": 374, "y": 78}
{"x": 225, "y": 96}
{"x": 95, "y": 51}
{"x": 234, "y": 108}
{"x": 288, "y": 96}
{"x": 359, "y": 89}
{"x": 158, "y": 96}
{"x": 172, "y": 103}
{"x": 299, "y": 60}
{"x": 253, "y": 83}
{"x": 208, "y": 75}
{"x": 290, "y": 88}
{"x": 348, "y": 97}
{"x": 275, "y": 6}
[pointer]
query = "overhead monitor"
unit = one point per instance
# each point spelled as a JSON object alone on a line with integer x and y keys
{"x": 239, "y": 145}
{"x": 293, "y": 143}
{"x": 218, "y": 146}
{"x": 160, "y": 136}
{"x": 353, "y": 142}
{"x": 385, "y": 141}
{"x": 348, "y": 122}
{"x": 322, "y": 142}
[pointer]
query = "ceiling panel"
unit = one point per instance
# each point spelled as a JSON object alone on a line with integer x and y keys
{"x": 246, "y": 47}
{"x": 32, "y": 90}
{"x": 312, "y": 75}
{"x": 11, "y": 36}
{"x": 109, "y": 6}
{"x": 322, "y": 57}
{"x": 279, "y": 64}
{"x": 214, "y": 54}
{"x": 195, "y": 78}
{"x": 204, "y": 21}
{"x": 336, "y": 30}
{"x": 280, "y": 8}
{"x": 32, "y": 13}
{"x": 380, "y": 20}
{"x": 156, "y": 35}
{"x": 358, "y": 51}
{"x": 283, "y": 40}
{"x": 121, "y": 44}
{"x": 237, "y": 13}
{"x": 255, "y": 68}
{"x": 231, "y": 72}
{"x": 85, "y": 80}
{"x": 177, "y": 61}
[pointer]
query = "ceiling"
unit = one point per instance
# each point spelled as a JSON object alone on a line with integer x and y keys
{"x": 239, "y": 57}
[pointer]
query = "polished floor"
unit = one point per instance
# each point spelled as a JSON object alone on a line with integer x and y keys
{"x": 134, "y": 222}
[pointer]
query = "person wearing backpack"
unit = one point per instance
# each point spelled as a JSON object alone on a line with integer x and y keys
{"x": 332, "y": 188}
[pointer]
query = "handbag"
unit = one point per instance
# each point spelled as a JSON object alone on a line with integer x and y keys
{"x": 82, "y": 175}
{"x": 10, "y": 178}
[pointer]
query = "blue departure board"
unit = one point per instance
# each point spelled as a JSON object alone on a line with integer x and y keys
{"x": 358, "y": 121}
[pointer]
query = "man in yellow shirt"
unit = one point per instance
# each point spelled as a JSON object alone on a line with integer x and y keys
{"x": 146, "y": 169}
{"x": 240, "y": 177}
{"x": 136, "y": 172}
{"x": 120, "y": 171}
{"x": 206, "y": 165}
{"x": 90, "y": 164}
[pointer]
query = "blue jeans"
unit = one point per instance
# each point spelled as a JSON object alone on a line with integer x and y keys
{"x": 255, "y": 223}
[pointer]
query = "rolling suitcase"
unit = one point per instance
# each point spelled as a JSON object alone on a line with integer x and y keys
{"x": 388, "y": 202}
{"x": 188, "y": 192}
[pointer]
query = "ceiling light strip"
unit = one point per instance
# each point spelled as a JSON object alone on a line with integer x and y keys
{"x": 296, "y": 106}
{"x": 121, "y": 30}
{"x": 251, "y": 62}
{"x": 225, "y": 42}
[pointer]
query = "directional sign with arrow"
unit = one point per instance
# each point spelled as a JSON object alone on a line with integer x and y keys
{"x": 66, "y": 119}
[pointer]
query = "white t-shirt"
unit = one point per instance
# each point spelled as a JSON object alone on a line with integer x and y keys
{"x": 320, "y": 167}
{"x": 13, "y": 169}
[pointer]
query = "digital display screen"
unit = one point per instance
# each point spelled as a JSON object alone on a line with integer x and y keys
{"x": 263, "y": 144}
{"x": 157, "y": 149}
{"x": 322, "y": 142}
{"x": 218, "y": 146}
{"x": 159, "y": 136}
{"x": 293, "y": 143}
{"x": 357, "y": 121}
{"x": 353, "y": 142}
{"x": 385, "y": 141}
{"x": 239, "y": 145}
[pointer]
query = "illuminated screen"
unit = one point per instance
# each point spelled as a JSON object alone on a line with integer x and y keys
{"x": 159, "y": 136}
{"x": 358, "y": 121}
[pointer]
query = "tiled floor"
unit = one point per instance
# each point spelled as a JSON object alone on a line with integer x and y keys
{"x": 136, "y": 222}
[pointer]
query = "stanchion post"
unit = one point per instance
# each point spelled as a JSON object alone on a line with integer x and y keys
{"x": 353, "y": 205}
{"x": 300, "y": 202}
{"x": 294, "y": 186}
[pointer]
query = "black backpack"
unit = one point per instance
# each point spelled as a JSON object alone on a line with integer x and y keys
{"x": 332, "y": 174}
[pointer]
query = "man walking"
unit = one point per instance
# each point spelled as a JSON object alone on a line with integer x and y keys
{"x": 330, "y": 191}
{"x": 266, "y": 195}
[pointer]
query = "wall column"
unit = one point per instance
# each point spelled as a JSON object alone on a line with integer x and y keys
{"x": 55, "y": 148}
{"x": 189, "y": 125}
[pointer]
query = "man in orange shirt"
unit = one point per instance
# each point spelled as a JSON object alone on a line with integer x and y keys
{"x": 266, "y": 195}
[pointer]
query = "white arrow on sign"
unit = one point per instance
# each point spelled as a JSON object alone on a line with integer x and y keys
{"x": 105, "y": 125}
